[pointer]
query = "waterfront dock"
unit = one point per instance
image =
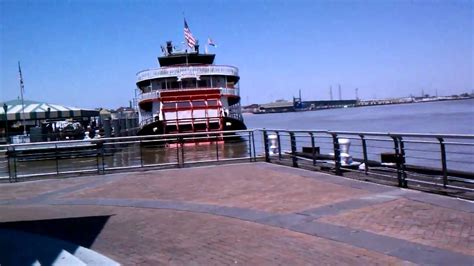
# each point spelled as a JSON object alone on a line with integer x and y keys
{"x": 248, "y": 213}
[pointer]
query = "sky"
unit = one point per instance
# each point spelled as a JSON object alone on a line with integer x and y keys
{"x": 87, "y": 53}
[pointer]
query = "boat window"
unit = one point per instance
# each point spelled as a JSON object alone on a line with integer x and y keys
{"x": 199, "y": 104}
{"x": 155, "y": 85}
{"x": 230, "y": 85}
{"x": 202, "y": 84}
{"x": 146, "y": 106}
{"x": 184, "y": 104}
{"x": 188, "y": 83}
{"x": 169, "y": 105}
{"x": 146, "y": 89}
{"x": 218, "y": 82}
{"x": 174, "y": 85}
{"x": 212, "y": 102}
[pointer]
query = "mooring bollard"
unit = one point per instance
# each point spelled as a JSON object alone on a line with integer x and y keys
{"x": 345, "y": 157}
{"x": 273, "y": 144}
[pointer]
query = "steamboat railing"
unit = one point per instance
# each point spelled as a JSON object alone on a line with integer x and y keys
{"x": 179, "y": 71}
{"x": 156, "y": 94}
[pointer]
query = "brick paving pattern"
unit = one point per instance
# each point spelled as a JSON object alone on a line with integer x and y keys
{"x": 414, "y": 221}
{"x": 258, "y": 189}
{"x": 258, "y": 214}
{"x": 185, "y": 238}
{"x": 29, "y": 189}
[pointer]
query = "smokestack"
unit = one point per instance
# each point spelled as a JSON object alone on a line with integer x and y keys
{"x": 169, "y": 47}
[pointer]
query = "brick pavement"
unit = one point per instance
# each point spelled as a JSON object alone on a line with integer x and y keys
{"x": 141, "y": 236}
{"x": 9, "y": 191}
{"x": 254, "y": 214}
{"x": 257, "y": 189}
{"x": 413, "y": 221}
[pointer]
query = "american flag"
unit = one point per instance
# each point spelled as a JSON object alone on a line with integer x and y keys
{"x": 188, "y": 36}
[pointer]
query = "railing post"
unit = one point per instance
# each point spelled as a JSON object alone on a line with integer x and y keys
{"x": 15, "y": 170}
{"x": 443, "y": 161}
{"x": 141, "y": 153}
{"x": 279, "y": 145}
{"x": 313, "y": 148}
{"x": 253, "y": 145}
{"x": 337, "y": 154}
{"x": 250, "y": 147}
{"x": 10, "y": 176}
{"x": 102, "y": 151}
{"x": 265, "y": 143}
{"x": 178, "y": 145}
{"x": 182, "y": 150}
{"x": 402, "y": 154}
{"x": 217, "y": 147}
{"x": 293, "y": 149}
{"x": 57, "y": 158}
{"x": 397, "y": 156}
{"x": 97, "y": 157}
{"x": 364, "y": 151}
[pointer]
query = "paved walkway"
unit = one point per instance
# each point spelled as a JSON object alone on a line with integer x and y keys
{"x": 255, "y": 213}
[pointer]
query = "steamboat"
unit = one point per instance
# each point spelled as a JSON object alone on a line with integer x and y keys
{"x": 188, "y": 93}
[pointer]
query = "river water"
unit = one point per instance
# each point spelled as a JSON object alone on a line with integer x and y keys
{"x": 456, "y": 117}
{"x": 444, "y": 117}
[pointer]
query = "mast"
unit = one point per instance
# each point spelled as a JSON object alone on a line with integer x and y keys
{"x": 22, "y": 89}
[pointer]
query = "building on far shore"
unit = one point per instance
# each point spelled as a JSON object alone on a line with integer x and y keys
{"x": 297, "y": 105}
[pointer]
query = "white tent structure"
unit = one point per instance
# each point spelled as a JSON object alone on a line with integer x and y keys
{"x": 39, "y": 111}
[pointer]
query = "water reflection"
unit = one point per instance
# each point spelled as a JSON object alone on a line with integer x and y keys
{"x": 127, "y": 154}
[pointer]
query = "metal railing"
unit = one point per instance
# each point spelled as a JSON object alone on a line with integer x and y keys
{"x": 100, "y": 156}
{"x": 445, "y": 160}
{"x": 441, "y": 160}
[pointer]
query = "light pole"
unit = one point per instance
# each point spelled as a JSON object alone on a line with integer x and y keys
{"x": 5, "y": 108}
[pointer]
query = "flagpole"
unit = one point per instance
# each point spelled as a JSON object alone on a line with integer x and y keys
{"x": 185, "y": 44}
{"x": 22, "y": 88}
{"x": 186, "y": 56}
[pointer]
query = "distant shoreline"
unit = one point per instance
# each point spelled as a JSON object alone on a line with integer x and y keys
{"x": 375, "y": 103}
{"x": 414, "y": 102}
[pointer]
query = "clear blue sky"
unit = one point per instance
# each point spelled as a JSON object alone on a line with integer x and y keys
{"x": 86, "y": 53}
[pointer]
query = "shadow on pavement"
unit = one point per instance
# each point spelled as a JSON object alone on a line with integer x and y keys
{"x": 46, "y": 241}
